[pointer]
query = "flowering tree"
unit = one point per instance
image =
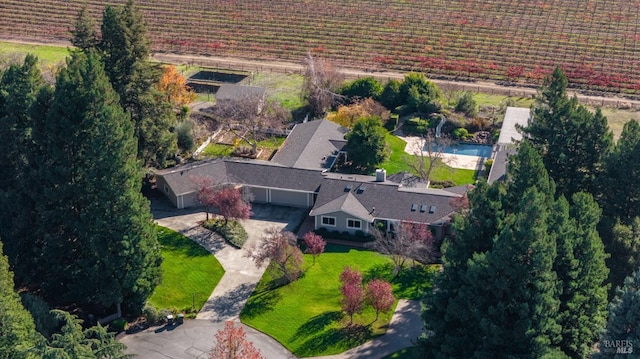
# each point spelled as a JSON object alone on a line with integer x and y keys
{"x": 352, "y": 300}
{"x": 206, "y": 193}
{"x": 230, "y": 204}
{"x": 280, "y": 248}
{"x": 379, "y": 295}
{"x": 315, "y": 244}
{"x": 231, "y": 343}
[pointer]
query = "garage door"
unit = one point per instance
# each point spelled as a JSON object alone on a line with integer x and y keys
{"x": 288, "y": 198}
{"x": 259, "y": 195}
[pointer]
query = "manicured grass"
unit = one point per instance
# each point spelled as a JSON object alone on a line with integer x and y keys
{"x": 48, "y": 55}
{"x": 397, "y": 162}
{"x": 305, "y": 316}
{"x": 190, "y": 271}
{"x": 406, "y": 353}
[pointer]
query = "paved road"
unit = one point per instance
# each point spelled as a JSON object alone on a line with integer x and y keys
{"x": 194, "y": 338}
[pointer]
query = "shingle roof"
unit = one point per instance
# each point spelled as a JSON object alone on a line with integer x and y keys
{"x": 249, "y": 172}
{"x": 235, "y": 92}
{"x": 387, "y": 200}
{"x": 311, "y": 145}
{"x": 346, "y": 203}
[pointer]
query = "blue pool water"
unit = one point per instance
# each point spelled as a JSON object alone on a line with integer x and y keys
{"x": 468, "y": 149}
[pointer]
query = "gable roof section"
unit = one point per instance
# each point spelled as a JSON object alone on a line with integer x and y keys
{"x": 311, "y": 145}
{"x": 386, "y": 200}
{"x": 346, "y": 203}
{"x": 180, "y": 179}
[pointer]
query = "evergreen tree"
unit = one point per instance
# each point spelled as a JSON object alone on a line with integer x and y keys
{"x": 582, "y": 271}
{"x": 450, "y": 314}
{"x": 100, "y": 244}
{"x": 571, "y": 140}
{"x": 19, "y": 87}
{"x": 623, "y": 247}
{"x": 515, "y": 286}
{"x": 620, "y": 193}
{"x": 623, "y": 326}
{"x": 18, "y": 336}
{"x": 84, "y": 31}
{"x": 366, "y": 146}
{"x": 124, "y": 48}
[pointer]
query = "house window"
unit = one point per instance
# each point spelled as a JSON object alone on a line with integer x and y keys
{"x": 329, "y": 221}
{"x": 354, "y": 223}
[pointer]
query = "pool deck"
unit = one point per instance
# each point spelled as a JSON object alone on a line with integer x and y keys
{"x": 414, "y": 146}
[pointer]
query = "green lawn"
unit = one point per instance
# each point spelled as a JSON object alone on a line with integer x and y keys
{"x": 397, "y": 162}
{"x": 48, "y": 55}
{"x": 305, "y": 316}
{"x": 190, "y": 273}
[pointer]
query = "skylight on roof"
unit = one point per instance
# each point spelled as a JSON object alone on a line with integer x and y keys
{"x": 414, "y": 207}
{"x": 348, "y": 188}
{"x": 361, "y": 188}
{"x": 423, "y": 208}
{"x": 432, "y": 209}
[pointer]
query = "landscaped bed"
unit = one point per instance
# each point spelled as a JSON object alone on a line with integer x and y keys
{"x": 305, "y": 316}
{"x": 190, "y": 273}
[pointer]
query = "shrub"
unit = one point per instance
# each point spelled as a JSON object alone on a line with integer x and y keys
{"x": 362, "y": 88}
{"x": 442, "y": 184}
{"x": 487, "y": 165}
{"x": 467, "y": 104}
{"x": 390, "y": 97}
{"x": 243, "y": 151}
{"x": 185, "y": 137}
{"x": 119, "y": 325}
{"x": 151, "y": 314}
{"x": 46, "y": 323}
{"x": 392, "y": 123}
{"x": 460, "y": 133}
{"x": 232, "y": 232}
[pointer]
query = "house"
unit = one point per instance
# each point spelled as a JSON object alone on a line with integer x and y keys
{"x": 312, "y": 145}
{"x": 514, "y": 117}
{"x": 298, "y": 177}
{"x": 352, "y": 203}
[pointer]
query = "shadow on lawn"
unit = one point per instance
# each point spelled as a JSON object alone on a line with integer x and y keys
{"x": 410, "y": 283}
{"x": 177, "y": 242}
{"x": 260, "y": 303}
{"x": 343, "y": 338}
{"x": 316, "y": 325}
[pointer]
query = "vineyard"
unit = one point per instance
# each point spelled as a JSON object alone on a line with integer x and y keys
{"x": 596, "y": 42}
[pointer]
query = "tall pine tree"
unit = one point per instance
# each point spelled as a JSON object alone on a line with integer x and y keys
{"x": 571, "y": 140}
{"x": 99, "y": 243}
{"x": 84, "y": 31}
{"x": 582, "y": 272}
{"x": 19, "y": 88}
{"x": 124, "y": 47}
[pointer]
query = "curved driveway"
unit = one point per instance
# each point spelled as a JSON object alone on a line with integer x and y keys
{"x": 194, "y": 338}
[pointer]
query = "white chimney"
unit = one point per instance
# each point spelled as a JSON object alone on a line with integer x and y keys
{"x": 381, "y": 175}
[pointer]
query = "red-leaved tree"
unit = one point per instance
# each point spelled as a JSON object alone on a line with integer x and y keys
{"x": 280, "y": 248}
{"x": 352, "y": 300}
{"x": 379, "y": 295}
{"x": 231, "y": 343}
{"x": 206, "y": 192}
{"x": 230, "y": 204}
{"x": 315, "y": 245}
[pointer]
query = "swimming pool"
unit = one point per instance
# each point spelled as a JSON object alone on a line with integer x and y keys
{"x": 469, "y": 149}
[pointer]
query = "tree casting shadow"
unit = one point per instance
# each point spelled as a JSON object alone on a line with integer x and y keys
{"x": 316, "y": 324}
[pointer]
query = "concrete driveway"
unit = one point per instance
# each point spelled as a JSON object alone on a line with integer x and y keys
{"x": 195, "y": 338}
